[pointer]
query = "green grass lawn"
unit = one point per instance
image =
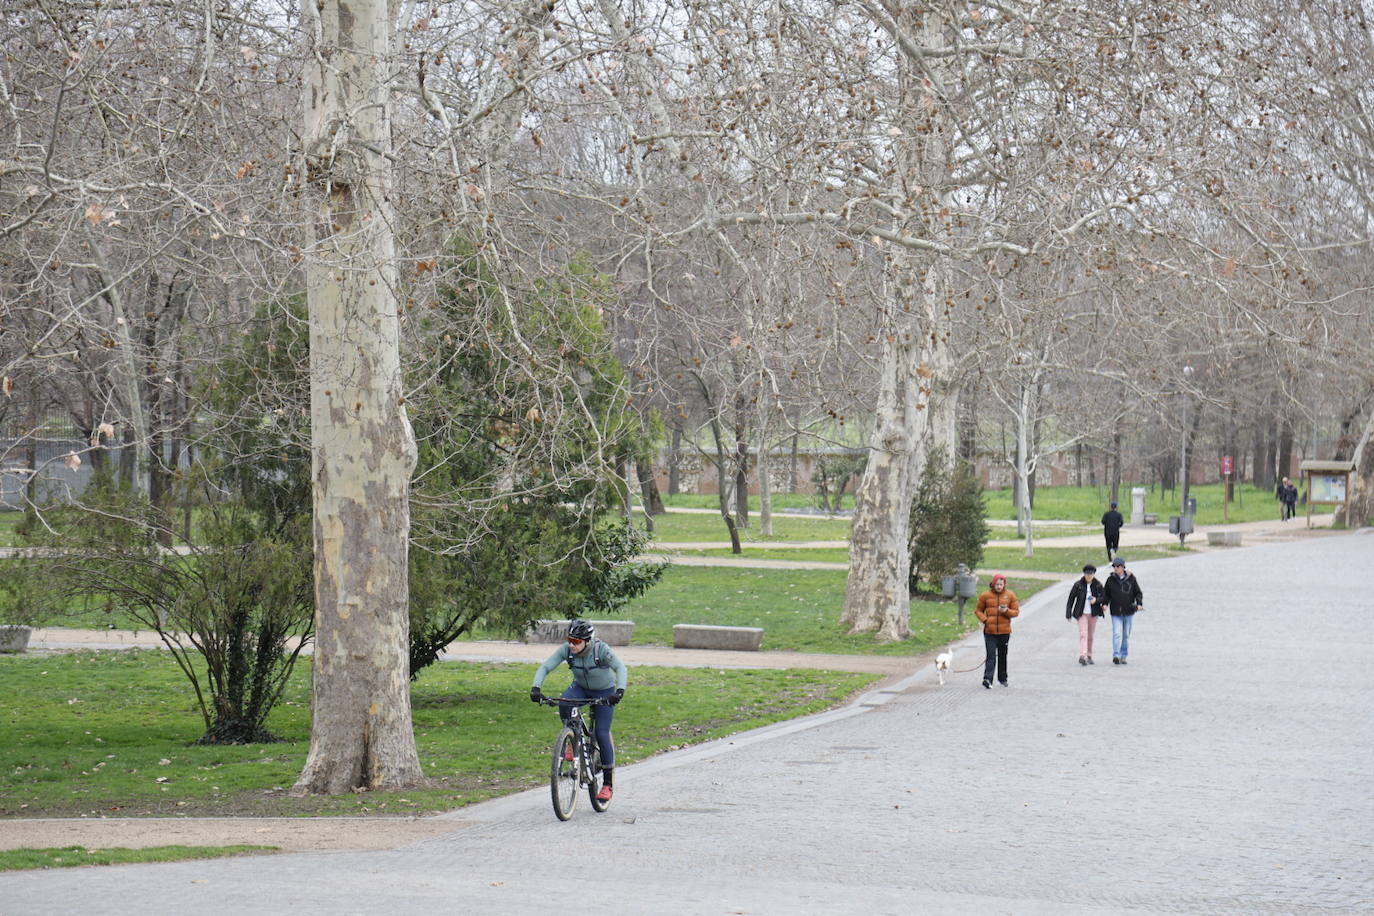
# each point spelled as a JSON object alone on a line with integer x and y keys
{"x": 782, "y": 502}
{"x": 79, "y": 856}
{"x": 92, "y": 734}
{"x": 1086, "y": 504}
{"x": 1068, "y": 560}
{"x": 681, "y": 526}
{"x": 9, "y": 520}
{"x": 799, "y": 610}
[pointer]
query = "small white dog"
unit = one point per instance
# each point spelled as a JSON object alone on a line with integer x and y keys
{"x": 942, "y": 663}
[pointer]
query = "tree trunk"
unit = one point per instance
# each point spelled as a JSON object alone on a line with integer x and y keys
{"x": 126, "y": 375}
{"x": 1270, "y": 463}
{"x": 915, "y": 337}
{"x": 792, "y": 459}
{"x": 876, "y": 594}
{"x": 1285, "y": 462}
{"x": 741, "y": 477}
{"x": 765, "y": 485}
{"x": 627, "y": 506}
{"x": 1346, "y": 439}
{"x": 1024, "y": 469}
{"x": 1358, "y": 510}
{"x": 968, "y": 424}
{"x": 648, "y": 490}
{"x": 723, "y": 487}
{"x": 675, "y": 462}
{"x": 1115, "y": 459}
{"x": 363, "y": 450}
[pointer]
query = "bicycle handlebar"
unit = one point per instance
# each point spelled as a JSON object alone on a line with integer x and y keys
{"x": 574, "y": 701}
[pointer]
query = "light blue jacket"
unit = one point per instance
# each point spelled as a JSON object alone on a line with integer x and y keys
{"x": 596, "y": 667}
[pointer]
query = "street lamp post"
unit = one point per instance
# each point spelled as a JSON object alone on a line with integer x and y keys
{"x": 1183, "y": 449}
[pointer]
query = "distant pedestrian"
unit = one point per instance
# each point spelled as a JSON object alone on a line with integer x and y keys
{"x": 1288, "y": 499}
{"x": 1085, "y": 606}
{"x": 1111, "y": 529}
{"x": 996, "y": 607}
{"x": 1124, "y": 598}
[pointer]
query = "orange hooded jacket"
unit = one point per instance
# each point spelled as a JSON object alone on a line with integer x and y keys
{"x": 996, "y": 611}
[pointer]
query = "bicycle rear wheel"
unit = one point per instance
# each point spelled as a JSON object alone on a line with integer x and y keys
{"x": 563, "y": 775}
{"x": 594, "y": 783}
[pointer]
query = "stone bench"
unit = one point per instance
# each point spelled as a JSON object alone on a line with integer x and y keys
{"x": 694, "y": 636}
{"x": 14, "y": 638}
{"x": 611, "y": 632}
{"x": 1149, "y": 518}
{"x": 1223, "y": 538}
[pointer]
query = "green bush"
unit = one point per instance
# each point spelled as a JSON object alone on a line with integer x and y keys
{"x": 832, "y": 475}
{"x": 948, "y": 523}
{"x": 234, "y": 613}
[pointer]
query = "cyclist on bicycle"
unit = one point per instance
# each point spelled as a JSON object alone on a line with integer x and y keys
{"x": 597, "y": 673}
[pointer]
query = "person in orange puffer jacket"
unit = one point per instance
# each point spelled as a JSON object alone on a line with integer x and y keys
{"x": 996, "y": 607}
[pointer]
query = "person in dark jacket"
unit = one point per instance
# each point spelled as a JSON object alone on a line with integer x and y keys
{"x": 996, "y": 607}
{"x": 1288, "y": 499}
{"x": 1111, "y": 529}
{"x": 1124, "y": 598}
{"x": 1085, "y": 606}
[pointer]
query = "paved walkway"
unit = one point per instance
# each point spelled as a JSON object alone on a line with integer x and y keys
{"x": 1226, "y": 769}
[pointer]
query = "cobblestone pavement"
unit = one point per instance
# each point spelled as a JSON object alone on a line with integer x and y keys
{"x": 1227, "y": 769}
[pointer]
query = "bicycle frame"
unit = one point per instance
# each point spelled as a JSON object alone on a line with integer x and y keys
{"x": 585, "y": 740}
{"x": 586, "y": 756}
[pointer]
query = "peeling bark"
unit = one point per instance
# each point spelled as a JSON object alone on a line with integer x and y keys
{"x": 363, "y": 450}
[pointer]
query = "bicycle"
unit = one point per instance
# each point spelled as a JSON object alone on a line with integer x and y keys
{"x": 566, "y": 775}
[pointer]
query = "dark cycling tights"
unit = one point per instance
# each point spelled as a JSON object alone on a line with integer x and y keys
{"x": 601, "y": 718}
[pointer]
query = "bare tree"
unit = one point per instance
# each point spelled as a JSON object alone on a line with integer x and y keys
{"x": 361, "y": 442}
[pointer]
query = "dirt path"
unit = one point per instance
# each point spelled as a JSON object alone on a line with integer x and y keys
{"x": 292, "y": 834}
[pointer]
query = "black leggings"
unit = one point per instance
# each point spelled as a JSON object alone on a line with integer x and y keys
{"x": 996, "y": 646}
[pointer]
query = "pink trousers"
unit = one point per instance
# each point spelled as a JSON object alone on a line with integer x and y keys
{"x": 1086, "y": 624}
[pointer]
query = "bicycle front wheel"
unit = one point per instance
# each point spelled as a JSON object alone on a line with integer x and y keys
{"x": 563, "y": 774}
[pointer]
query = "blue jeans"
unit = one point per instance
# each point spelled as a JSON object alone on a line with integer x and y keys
{"x": 601, "y": 718}
{"x": 1121, "y": 635}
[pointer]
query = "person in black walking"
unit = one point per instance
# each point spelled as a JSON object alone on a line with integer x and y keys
{"x": 1288, "y": 499}
{"x": 1111, "y": 530}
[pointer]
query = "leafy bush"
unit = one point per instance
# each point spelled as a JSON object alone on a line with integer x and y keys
{"x": 948, "y": 520}
{"x": 518, "y": 457}
{"x": 832, "y": 475}
{"x": 234, "y": 612}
